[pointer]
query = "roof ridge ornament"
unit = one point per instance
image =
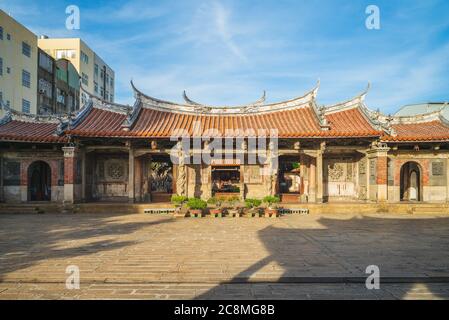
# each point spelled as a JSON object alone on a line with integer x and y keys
{"x": 259, "y": 106}
{"x": 354, "y": 102}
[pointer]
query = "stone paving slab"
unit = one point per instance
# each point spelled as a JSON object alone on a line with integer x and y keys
{"x": 140, "y": 256}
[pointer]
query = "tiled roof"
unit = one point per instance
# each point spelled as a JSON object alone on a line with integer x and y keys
{"x": 350, "y": 123}
{"x": 100, "y": 123}
{"x": 425, "y": 131}
{"x": 292, "y": 123}
{"x": 29, "y": 131}
{"x": 289, "y": 123}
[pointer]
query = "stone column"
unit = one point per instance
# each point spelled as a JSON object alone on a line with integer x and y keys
{"x": 319, "y": 173}
{"x": 378, "y": 152}
{"x": 83, "y": 175}
{"x": 312, "y": 180}
{"x": 304, "y": 180}
{"x": 131, "y": 196}
{"x": 69, "y": 174}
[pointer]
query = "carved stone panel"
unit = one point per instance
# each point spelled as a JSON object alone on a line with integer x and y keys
{"x": 437, "y": 168}
{"x": 11, "y": 173}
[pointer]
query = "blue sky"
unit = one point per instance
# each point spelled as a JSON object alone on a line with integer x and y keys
{"x": 227, "y": 52}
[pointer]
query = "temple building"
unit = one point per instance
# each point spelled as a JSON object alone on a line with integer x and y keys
{"x": 338, "y": 153}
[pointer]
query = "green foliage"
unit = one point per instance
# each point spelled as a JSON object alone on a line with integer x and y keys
{"x": 295, "y": 165}
{"x": 178, "y": 200}
{"x": 252, "y": 203}
{"x": 196, "y": 204}
{"x": 215, "y": 201}
{"x": 233, "y": 200}
{"x": 270, "y": 200}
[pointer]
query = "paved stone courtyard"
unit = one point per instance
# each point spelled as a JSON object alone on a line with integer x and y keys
{"x": 157, "y": 257}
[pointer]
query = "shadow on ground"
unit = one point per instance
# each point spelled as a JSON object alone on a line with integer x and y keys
{"x": 408, "y": 251}
{"x": 19, "y": 250}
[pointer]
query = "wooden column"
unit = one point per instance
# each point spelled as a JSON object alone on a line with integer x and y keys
{"x": 131, "y": 196}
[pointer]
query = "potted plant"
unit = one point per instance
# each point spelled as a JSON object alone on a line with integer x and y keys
{"x": 196, "y": 207}
{"x": 215, "y": 210}
{"x": 252, "y": 207}
{"x": 234, "y": 210}
{"x": 272, "y": 208}
{"x": 178, "y": 200}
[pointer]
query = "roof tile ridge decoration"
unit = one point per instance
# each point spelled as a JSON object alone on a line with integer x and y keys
{"x": 257, "y": 103}
{"x": 100, "y": 103}
{"x": 153, "y": 103}
{"x": 419, "y": 118}
{"x": 132, "y": 115}
{"x": 352, "y": 103}
{"x": 14, "y": 115}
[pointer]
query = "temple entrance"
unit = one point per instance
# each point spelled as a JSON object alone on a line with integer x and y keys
{"x": 226, "y": 180}
{"x": 160, "y": 178}
{"x": 39, "y": 181}
{"x": 289, "y": 179}
{"x": 339, "y": 179}
{"x": 410, "y": 184}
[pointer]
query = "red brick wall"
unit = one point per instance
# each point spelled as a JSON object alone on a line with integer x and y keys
{"x": 25, "y": 164}
{"x": 382, "y": 173}
{"x": 423, "y": 166}
{"x": 69, "y": 170}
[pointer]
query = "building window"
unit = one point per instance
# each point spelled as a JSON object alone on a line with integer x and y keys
{"x": 8, "y": 36}
{"x": 26, "y": 79}
{"x": 112, "y": 98}
{"x": 26, "y": 49}
{"x": 96, "y": 71}
{"x": 26, "y": 106}
{"x": 85, "y": 79}
{"x": 45, "y": 88}
{"x": 102, "y": 92}
{"x": 8, "y": 70}
{"x": 102, "y": 74}
{"x": 45, "y": 62}
{"x": 1, "y": 66}
{"x": 1, "y": 100}
{"x": 1, "y": 33}
{"x": 84, "y": 57}
{"x": 112, "y": 82}
{"x": 96, "y": 87}
{"x": 60, "y": 97}
{"x": 65, "y": 54}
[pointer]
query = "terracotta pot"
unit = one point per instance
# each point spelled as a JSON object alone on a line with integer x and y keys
{"x": 195, "y": 212}
{"x": 270, "y": 212}
{"x": 215, "y": 212}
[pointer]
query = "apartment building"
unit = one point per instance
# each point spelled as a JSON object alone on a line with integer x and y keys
{"x": 18, "y": 66}
{"x": 97, "y": 77}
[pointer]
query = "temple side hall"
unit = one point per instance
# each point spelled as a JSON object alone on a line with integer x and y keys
{"x": 130, "y": 154}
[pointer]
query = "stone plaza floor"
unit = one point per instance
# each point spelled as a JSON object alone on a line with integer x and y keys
{"x": 141, "y": 256}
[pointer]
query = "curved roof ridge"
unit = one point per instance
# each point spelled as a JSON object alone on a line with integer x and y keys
{"x": 348, "y": 104}
{"x": 155, "y": 103}
{"x": 258, "y": 102}
{"x": 420, "y": 118}
{"x": 28, "y": 117}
